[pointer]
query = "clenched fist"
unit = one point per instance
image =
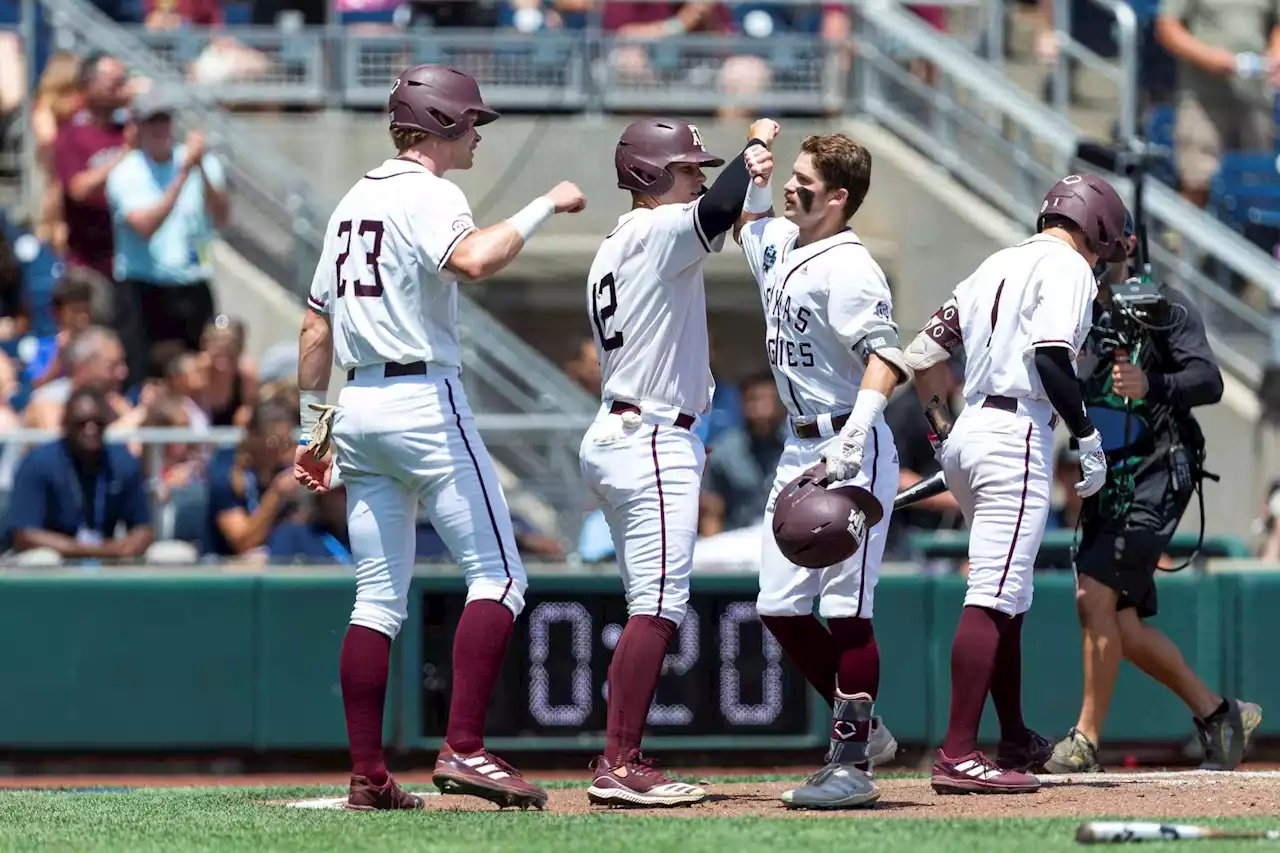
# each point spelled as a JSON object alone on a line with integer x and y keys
{"x": 567, "y": 197}
{"x": 759, "y": 164}
{"x": 765, "y": 129}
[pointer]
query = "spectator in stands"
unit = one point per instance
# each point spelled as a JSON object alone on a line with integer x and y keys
{"x": 76, "y": 492}
{"x": 742, "y": 461}
{"x": 95, "y": 362}
{"x": 57, "y": 100}
{"x": 12, "y": 302}
{"x": 321, "y": 537}
{"x": 584, "y": 367}
{"x": 9, "y": 386}
{"x": 1229, "y": 60}
{"x": 184, "y": 381}
{"x": 181, "y": 490}
{"x": 528, "y": 16}
{"x": 232, "y": 380}
{"x": 166, "y": 199}
{"x": 652, "y": 22}
{"x": 176, "y": 14}
{"x": 253, "y": 490}
{"x": 749, "y": 74}
{"x": 87, "y": 148}
{"x": 73, "y": 313}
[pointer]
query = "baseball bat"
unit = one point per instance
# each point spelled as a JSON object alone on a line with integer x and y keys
{"x": 921, "y": 490}
{"x": 1121, "y": 832}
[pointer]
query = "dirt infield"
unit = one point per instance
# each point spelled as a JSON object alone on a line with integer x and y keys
{"x": 1172, "y": 795}
{"x": 1140, "y": 794}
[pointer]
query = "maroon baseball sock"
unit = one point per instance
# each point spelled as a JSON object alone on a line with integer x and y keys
{"x": 973, "y": 659}
{"x": 479, "y": 647}
{"x": 858, "y": 656}
{"x": 1006, "y": 682}
{"x": 808, "y": 645}
{"x": 362, "y": 671}
{"x": 633, "y": 679}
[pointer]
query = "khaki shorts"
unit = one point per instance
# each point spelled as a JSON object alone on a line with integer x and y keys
{"x": 1202, "y": 132}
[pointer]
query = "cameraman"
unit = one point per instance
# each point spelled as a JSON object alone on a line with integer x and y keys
{"x": 1141, "y": 382}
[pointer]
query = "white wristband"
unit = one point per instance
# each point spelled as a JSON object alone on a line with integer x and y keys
{"x": 531, "y": 217}
{"x": 867, "y": 408}
{"x": 759, "y": 199}
{"x": 309, "y": 415}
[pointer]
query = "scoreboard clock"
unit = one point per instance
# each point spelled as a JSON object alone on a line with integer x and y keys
{"x": 725, "y": 681}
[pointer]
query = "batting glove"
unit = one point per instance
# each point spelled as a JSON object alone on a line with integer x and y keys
{"x": 321, "y": 433}
{"x": 1093, "y": 465}
{"x": 843, "y": 454}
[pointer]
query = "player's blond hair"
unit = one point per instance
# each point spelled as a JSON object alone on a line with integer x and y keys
{"x": 842, "y": 164}
{"x": 405, "y": 139}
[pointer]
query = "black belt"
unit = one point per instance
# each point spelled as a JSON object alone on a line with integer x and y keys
{"x": 391, "y": 370}
{"x": 811, "y": 430}
{"x": 1010, "y": 404}
{"x": 683, "y": 420}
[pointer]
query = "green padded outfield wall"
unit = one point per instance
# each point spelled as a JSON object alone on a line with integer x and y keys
{"x": 179, "y": 660}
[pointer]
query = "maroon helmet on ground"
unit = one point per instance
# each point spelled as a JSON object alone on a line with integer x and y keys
{"x": 649, "y": 145}
{"x": 817, "y": 527}
{"x": 435, "y": 99}
{"x": 1096, "y": 209}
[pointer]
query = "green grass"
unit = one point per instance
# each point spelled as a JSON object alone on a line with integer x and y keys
{"x": 221, "y": 820}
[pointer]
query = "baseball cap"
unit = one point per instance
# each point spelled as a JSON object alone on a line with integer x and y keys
{"x": 153, "y": 103}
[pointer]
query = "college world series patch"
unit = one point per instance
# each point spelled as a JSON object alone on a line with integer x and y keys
{"x": 770, "y": 256}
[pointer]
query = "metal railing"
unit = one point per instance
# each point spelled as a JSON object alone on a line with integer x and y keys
{"x": 1123, "y": 75}
{"x": 1008, "y": 148}
{"x": 547, "y": 488}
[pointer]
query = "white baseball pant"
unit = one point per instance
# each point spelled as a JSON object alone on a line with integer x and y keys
{"x": 999, "y": 466}
{"x": 411, "y": 440}
{"x": 647, "y": 477}
{"x": 846, "y": 589}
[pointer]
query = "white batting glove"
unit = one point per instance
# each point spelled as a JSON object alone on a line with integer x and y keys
{"x": 843, "y": 454}
{"x": 1093, "y": 465}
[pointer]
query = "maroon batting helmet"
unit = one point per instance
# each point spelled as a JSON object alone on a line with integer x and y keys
{"x": 1095, "y": 208}
{"x": 649, "y": 145}
{"x": 442, "y": 101}
{"x": 817, "y": 527}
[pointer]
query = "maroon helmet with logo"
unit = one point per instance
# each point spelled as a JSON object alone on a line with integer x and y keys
{"x": 649, "y": 145}
{"x": 1096, "y": 209}
{"x": 442, "y": 101}
{"x": 817, "y": 527}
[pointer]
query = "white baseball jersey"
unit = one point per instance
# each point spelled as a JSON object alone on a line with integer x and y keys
{"x": 381, "y": 275}
{"x": 648, "y": 309}
{"x": 827, "y": 306}
{"x": 1040, "y": 291}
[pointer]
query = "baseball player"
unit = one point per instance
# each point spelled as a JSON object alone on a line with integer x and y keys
{"x": 831, "y": 342}
{"x": 641, "y": 456}
{"x": 1021, "y": 318}
{"x": 384, "y": 302}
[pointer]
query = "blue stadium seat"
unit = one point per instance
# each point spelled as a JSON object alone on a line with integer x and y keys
{"x": 1246, "y": 190}
{"x": 237, "y": 14}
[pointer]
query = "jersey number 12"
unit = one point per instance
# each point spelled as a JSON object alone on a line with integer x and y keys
{"x": 367, "y": 226}
{"x": 602, "y": 313}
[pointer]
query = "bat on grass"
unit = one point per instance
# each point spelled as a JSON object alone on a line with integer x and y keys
{"x": 1121, "y": 832}
{"x": 921, "y": 490}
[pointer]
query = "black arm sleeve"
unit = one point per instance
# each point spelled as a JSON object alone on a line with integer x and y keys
{"x": 721, "y": 206}
{"x": 1193, "y": 377}
{"x": 1060, "y": 383}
